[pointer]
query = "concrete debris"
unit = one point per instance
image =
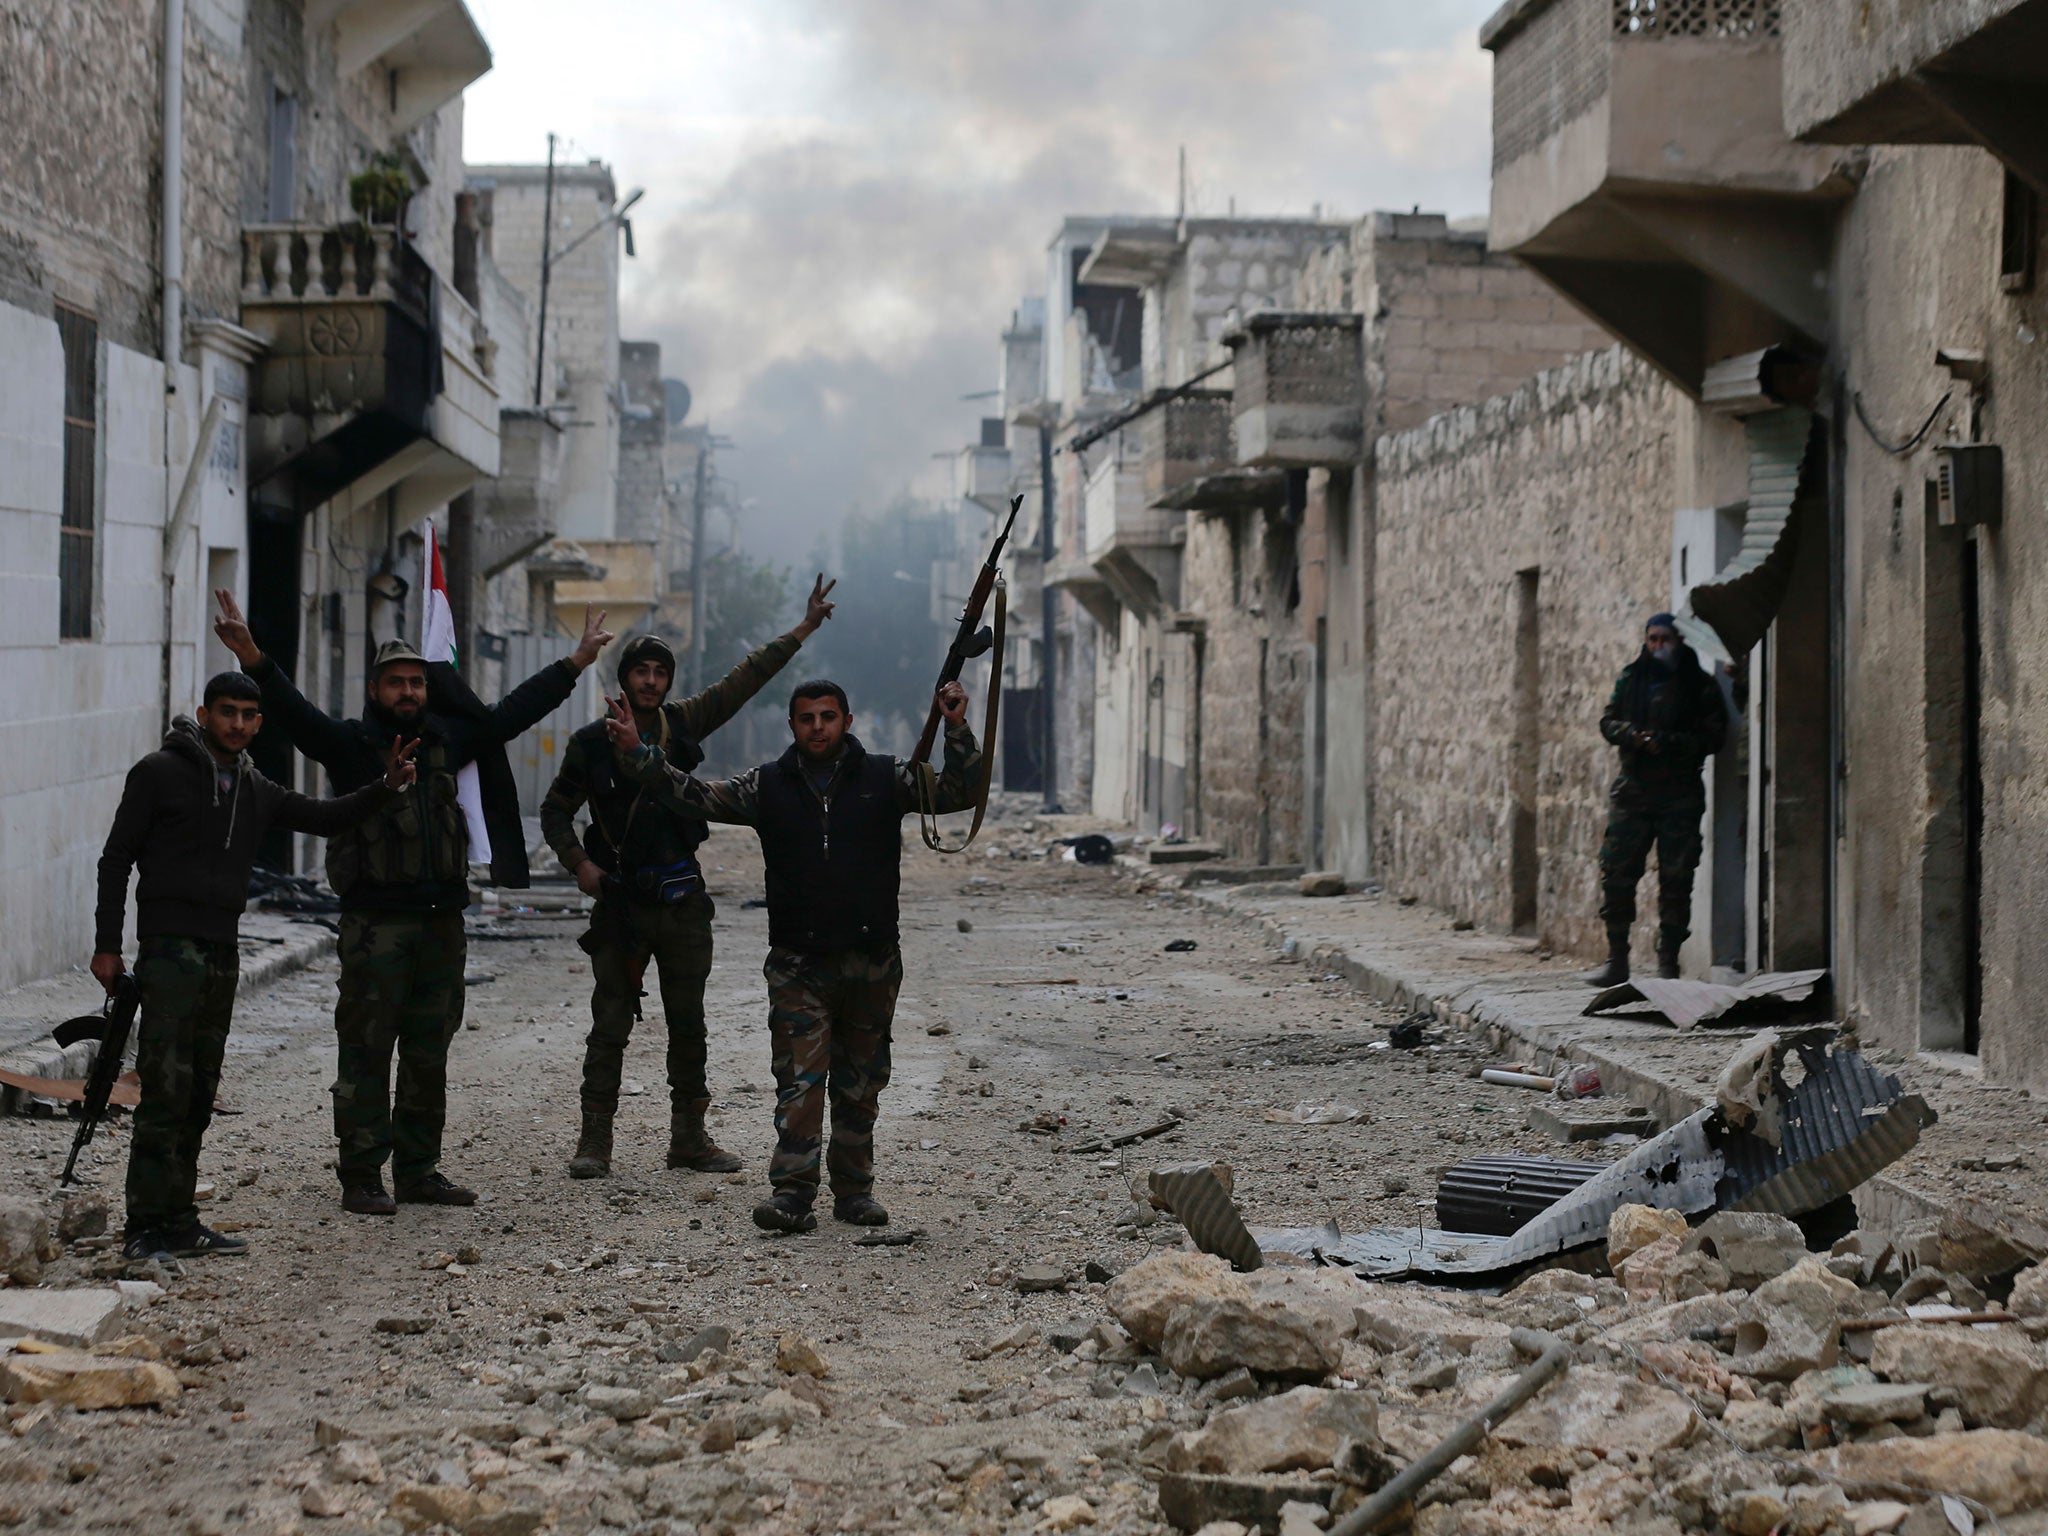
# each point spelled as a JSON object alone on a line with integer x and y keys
{"x": 68, "y": 1379}
{"x": 1196, "y": 1501}
{"x": 1146, "y": 1294}
{"x": 2030, "y": 1292}
{"x": 1793, "y": 1324}
{"x": 1065, "y": 1512}
{"x": 355, "y": 1462}
{"x": 1035, "y": 1278}
{"x": 796, "y": 1355}
{"x": 1997, "y": 1376}
{"x": 1633, "y": 1228}
{"x": 1303, "y": 1429}
{"x": 1208, "y": 1337}
{"x": 84, "y": 1214}
{"x": 25, "y": 1239}
{"x": 2002, "y": 1469}
{"x": 1667, "y": 1271}
{"x": 1752, "y": 1246}
{"x": 1689, "y": 1004}
{"x": 77, "y": 1319}
{"x": 1321, "y": 882}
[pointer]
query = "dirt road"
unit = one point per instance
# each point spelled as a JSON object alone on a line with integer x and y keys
{"x": 541, "y": 1379}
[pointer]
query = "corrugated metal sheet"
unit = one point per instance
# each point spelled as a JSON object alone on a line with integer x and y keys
{"x": 1498, "y": 1196}
{"x": 1727, "y": 616}
{"x": 1686, "y": 1003}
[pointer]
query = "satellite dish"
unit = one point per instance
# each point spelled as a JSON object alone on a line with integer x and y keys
{"x": 678, "y": 394}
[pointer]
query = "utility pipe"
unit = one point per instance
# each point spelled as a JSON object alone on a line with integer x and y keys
{"x": 172, "y": 222}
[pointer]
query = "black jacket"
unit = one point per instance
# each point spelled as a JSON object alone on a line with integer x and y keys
{"x": 457, "y": 729}
{"x": 196, "y": 843}
{"x": 1681, "y": 706}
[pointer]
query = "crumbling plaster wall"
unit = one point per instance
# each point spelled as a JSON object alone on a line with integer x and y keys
{"x": 1572, "y": 476}
{"x": 1917, "y": 270}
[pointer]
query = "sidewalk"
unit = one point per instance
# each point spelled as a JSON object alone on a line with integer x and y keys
{"x": 272, "y": 945}
{"x": 1531, "y": 1008}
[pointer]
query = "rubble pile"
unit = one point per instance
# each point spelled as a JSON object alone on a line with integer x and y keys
{"x": 1721, "y": 1379}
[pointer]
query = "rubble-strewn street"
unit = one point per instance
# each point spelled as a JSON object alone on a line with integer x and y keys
{"x": 631, "y": 1355}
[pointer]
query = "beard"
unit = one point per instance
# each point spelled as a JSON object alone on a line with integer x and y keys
{"x": 392, "y": 722}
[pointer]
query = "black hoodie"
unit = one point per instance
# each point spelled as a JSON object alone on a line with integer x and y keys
{"x": 195, "y": 838}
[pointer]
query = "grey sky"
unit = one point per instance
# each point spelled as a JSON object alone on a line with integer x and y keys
{"x": 846, "y": 198}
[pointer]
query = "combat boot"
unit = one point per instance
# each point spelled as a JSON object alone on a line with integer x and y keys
{"x": 1667, "y": 962}
{"x": 1615, "y": 971}
{"x": 593, "y": 1159}
{"x": 691, "y": 1146}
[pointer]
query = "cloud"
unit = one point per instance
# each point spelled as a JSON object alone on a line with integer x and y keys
{"x": 846, "y": 198}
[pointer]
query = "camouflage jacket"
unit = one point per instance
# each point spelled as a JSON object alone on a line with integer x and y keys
{"x": 651, "y": 825}
{"x": 1682, "y": 709}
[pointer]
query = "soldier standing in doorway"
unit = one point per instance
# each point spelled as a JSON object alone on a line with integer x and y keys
{"x": 191, "y": 818}
{"x": 403, "y": 880}
{"x": 828, "y": 814}
{"x": 1666, "y": 717}
{"x": 638, "y": 857}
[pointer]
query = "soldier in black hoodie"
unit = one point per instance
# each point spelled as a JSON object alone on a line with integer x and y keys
{"x": 192, "y": 816}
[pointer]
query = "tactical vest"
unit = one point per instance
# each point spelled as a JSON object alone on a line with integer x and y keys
{"x": 412, "y": 853}
{"x": 833, "y": 870}
{"x": 655, "y": 830}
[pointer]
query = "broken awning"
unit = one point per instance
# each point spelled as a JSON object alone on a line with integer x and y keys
{"x": 1687, "y": 1003}
{"x": 1726, "y": 617}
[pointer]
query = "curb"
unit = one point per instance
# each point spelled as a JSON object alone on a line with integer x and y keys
{"x": 1478, "y": 1010}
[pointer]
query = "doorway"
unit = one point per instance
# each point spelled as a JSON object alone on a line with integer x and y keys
{"x": 1951, "y": 857}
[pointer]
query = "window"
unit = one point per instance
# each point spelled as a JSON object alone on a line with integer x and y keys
{"x": 282, "y": 201}
{"x": 2019, "y": 236}
{"x": 80, "y": 335}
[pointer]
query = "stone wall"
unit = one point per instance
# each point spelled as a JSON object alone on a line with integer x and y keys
{"x": 1568, "y": 477}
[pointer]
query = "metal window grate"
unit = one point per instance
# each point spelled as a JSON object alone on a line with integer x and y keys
{"x": 1696, "y": 18}
{"x": 79, "y": 334}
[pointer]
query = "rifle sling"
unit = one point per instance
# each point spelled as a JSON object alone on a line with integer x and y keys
{"x": 927, "y": 777}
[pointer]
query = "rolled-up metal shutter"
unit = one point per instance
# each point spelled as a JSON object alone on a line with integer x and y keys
{"x": 1725, "y": 617}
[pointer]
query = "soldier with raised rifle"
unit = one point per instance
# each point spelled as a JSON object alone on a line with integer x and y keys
{"x": 192, "y": 815}
{"x": 638, "y": 857}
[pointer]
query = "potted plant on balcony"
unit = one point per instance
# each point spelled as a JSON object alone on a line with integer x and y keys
{"x": 379, "y": 192}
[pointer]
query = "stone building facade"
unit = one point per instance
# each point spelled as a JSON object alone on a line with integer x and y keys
{"x": 147, "y": 462}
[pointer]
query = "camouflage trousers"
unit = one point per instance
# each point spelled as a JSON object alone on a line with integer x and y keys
{"x": 401, "y": 990}
{"x": 1635, "y": 821}
{"x": 624, "y": 936}
{"x": 829, "y": 1019}
{"x": 188, "y": 999}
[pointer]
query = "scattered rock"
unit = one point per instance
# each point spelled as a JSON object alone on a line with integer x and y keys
{"x": 1205, "y": 1500}
{"x": 1041, "y": 1277}
{"x": 1756, "y": 1425}
{"x": 2030, "y": 1292}
{"x": 796, "y": 1355}
{"x": 1876, "y": 1518}
{"x": 411, "y": 1323}
{"x": 1754, "y": 1511}
{"x": 77, "y": 1319}
{"x": 622, "y": 1403}
{"x": 1145, "y": 1295}
{"x": 1322, "y": 882}
{"x": 1664, "y": 1271}
{"x": 24, "y": 1239}
{"x": 1301, "y": 1429}
{"x": 721, "y": 1434}
{"x": 1752, "y": 1246}
{"x": 323, "y": 1502}
{"x": 355, "y": 1462}
{"x": 72, "y": 1380}
{"x": 1875, "y": 1402}
{"x": 716, "y": 1337}
{"x": 1299, "y": 1519}
{"x": 1209, "y": 1337}
{"x": 1392, "y": 1320}
{"x": 1016, "y": 1337}
{"x": 2001, "y": 1468}
{"x": 1998, "y": 1376}
{"x": 84, "y": 1215}
{"x": 1633, "y": 1228}
{"x": 1065, "y": 1512}
{"x": 419, "y": 1505}
{"x": 1589, "y": 1407}
{"x": 774, "y": 1410}
{"x": 1793, "y": 1323}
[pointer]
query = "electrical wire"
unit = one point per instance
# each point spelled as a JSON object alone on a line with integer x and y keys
{"x": 1898, "y": 450}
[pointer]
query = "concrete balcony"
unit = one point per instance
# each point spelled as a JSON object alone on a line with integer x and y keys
{"x": 1182, "y": 439}
{"x": 1642, "y": 166}
{"x": 1134, "y": 546}
{"x": 1929, "y": 72}
{"x": 516, "y": 512}
{"x": 375, "y": 372}
{"x": 1299, "y": 401}
{"x": 984, "y": 473}
{"x": 419, "y": 54}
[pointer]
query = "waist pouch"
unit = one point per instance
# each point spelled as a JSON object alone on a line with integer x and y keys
{"x": 667, "y": 885}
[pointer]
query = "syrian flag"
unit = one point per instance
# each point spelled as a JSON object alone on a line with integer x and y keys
{"x": 437, "y": 643}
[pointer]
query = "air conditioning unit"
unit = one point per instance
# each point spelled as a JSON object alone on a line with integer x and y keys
{"x": 1969, "y": 485}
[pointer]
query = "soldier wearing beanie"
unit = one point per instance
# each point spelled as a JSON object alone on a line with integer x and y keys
{"x": 637, "y": 855}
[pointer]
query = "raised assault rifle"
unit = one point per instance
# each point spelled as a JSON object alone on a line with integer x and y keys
{"x": 117, "y": 1022}
{"x": 971, "y": 638}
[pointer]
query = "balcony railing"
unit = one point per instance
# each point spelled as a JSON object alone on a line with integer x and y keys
{"x": 1182, "y": 439}
{"x": 1299, "y": 401}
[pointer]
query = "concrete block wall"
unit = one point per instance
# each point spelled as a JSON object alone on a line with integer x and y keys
{"x": 1569, "y": 476}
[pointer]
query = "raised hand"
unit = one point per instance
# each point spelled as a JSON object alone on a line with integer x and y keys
{"x": 619, "y": 726}
{"x": 233, "y": 630}
{"x": 595, "y": 638}
{"x": 953, "y": 704}
{"x": 403, "y": 771}
{"x": 816, "y": 608}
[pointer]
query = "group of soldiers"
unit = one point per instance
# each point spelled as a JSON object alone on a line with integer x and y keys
{"x": 194, "y": 814}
